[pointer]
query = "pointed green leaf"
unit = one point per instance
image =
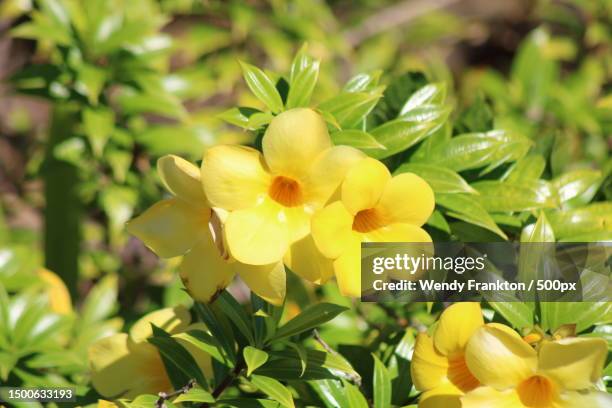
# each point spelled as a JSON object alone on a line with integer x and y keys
{"x": 254, "y": 358}
{"x": 262, "y": 87}
{"x": 441, "y": 179}
{"x": 381, "y": 385}
{"x": 274, "y": 389}
{"x": 356, "y": 138}
{"x": 313, "y": 316}
{"x": 466, "y": 208}
{"x": 302, "y": 81}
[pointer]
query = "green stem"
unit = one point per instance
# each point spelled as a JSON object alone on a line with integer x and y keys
{"x": 63, "y": 206}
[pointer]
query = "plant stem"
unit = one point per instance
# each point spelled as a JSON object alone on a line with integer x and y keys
{"x": 163, "y": 397}
{"x": 226, "y": 382}
{"x": 62, "y": 203}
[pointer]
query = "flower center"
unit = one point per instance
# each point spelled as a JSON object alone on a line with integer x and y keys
{"x": 286, "y": 191}
{"x": 368, "y": 220}
{"x": 460, "y": 375}
{"x": 537, "y": 391}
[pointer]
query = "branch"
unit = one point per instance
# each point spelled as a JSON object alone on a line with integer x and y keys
{"x": 355, "y": 378}
{"x": 226, "y": 382}
{"x": 163, "y": 396}
{"x": 394, "y": 16}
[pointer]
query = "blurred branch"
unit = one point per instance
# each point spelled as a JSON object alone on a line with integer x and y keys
{"x": 163, "y": 396}
{"x": 394, "y": 16}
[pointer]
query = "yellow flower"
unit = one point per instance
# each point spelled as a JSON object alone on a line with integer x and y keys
{"x": 185, "y": 225}
{"x": 373, "y": 207}
{"x": 561, "y": 374}
{"x": 270, "y": 197}
{"x": 127, "y": 365}
{"x": 59, "y": 297}
{"x": 438, "y": 364}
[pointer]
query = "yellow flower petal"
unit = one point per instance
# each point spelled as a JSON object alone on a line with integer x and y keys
{"x": 106, "y": 404}
{"x": 118, "y": 371}
{"x": 347, "y": 269}
{"x": 298, "y": 221}
{"x": 182, "y": 179}
{"x": 398, "y": 232}
{"x": 293, "y": 140}
{"x": 171, "y": 319}
{"x": 574, "y": 363}
{"x": 258, "y": 235}
{"x": 364, "y": 184}
{"x": 170, "y": 227}
{"x": 267, "y": 281}
{"x": 590, "y": 399}
{"x": 204, "y": 272}
{"x": 304, "y": 259}
{"x": 498, "y": 357}
{"x": 59, "y": 297}
{"x": 407, "y": 198}
{"x": 487, "y": 397}
{"x": 455, "y": 327}
{"x": 443, "y": 396}
{"x": 428, "y": 368}
{"x": 328, "y": 172}
{"x": 332, "y": 229}
{"x": 234, "y": 177}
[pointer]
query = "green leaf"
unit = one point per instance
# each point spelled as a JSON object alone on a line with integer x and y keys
{"x": 441, "y": 179}
{"x": 195, "y": 395}
{"x": 254, "y": 358}
{"x": 518, "y": 314}
{"x": 274, "y": 389}
{"x": 222, "y": 334}
{"x": 180, "y": 364}
{"x": 239, "y": 116}
{"x": 496, "y": 196}
{"x": 158, "y": 102}
{"x": 262, "y": 87}
{"x": 596, "y": 217}
{"x": 583, "y": 314}
{"x": 302, "y": 354}
{"x": 534, "y": 72}
{"x": 248, "y": 403}
{"x": 90, "y": 81}
{"x": 99, "y": 125}
{"x": 478, "y": 117}
{"x": 289, "y": 364}
{"x": 475, "y": 150}
{"x": 398, "y": 135}
{"x": 302, "y": 80}
{"x": 356, "y": 138}
{"x": 429, "y": 94}
{"x": 363, "y": 82}
{"x": 466, "y": 208}
{"x": 313, "y": 316}
{"x": 205, "y": 342}
{"x": 395, "y": 97}
{"x": 350, "y": 108}
{"x": 381, "y": 385}
{"x": 237, "y": 315}
{"x": 354, "y": 397}
{"x": 331, "y": 393}
{"x": 526, "y": 169}
{"x": 574, "y": 183}
{"x": 541, "y": 231}
{"x": 101, "y": 302}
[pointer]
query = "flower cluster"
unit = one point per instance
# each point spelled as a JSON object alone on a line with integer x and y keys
{"x": 467, "y": 363}
{"x": 302, "y": 203}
